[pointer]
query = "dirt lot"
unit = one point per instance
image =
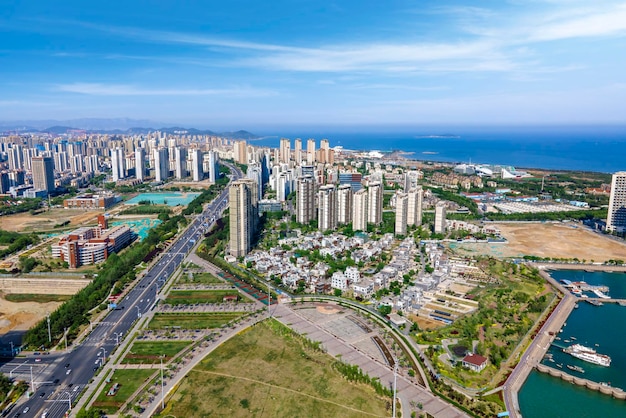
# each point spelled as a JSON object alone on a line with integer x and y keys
{"x": 22, "y": 316}
{"x": 561, "y": 240}
{"x": 25, "y": 222}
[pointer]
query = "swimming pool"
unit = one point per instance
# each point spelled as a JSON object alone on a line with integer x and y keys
{"x": 169, "y": 199}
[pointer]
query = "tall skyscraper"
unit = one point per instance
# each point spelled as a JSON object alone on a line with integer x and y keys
{"x": 254, "y": 173}
{"x": 43, "y": 173}
{"x": 240, "y": 152}
{"x": 375, "y": 203}
{"x": 416, "y": 197}
{"x": 327, "y": 211}
{"x": 402, "y": 210}
{"x": 161, "y": 164}
{"x": 197, "y": 171}
{"x": 310, "y": 151}
{"x": 359, "y": 210}
{"x": 243, "y": 201}
{"x": 305, "y": 200}
{"x": 180, "y": 162}
{"x": 440, "y": 218}
{"x": 344, "y": 204}
{"x": 297, "y": 152}
{"x": 616, "y": 218}
{"x": 140, "y": 163}
{"x": 285, "y": 150}
{"x": 214, "y": 168}
{"x": 117, "y": 164}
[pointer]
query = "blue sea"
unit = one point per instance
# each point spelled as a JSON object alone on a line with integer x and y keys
{"x": 583, "y": 148}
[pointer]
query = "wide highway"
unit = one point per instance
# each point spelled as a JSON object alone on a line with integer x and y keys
{"x": 64, "y": 376}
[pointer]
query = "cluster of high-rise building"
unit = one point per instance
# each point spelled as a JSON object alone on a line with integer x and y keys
{"x": 35, "y": 165}
{"x": 324, "y": 194}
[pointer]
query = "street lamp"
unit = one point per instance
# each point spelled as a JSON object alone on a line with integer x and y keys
{"x": 162, "y": 389}
{"x": 138, "y": 312}
{"x": 117, "y": 337}
{"x": 104, "y": 354}
{"x": 69, "y": 399}
{"x": 395, "y": 377}
{"x": 49, "y": 333}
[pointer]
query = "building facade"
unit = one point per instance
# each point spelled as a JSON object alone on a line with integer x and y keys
{"x": 327, "y": 211}
{"x": 616, "y": 218}
{"x": 305, "y": 200}
{"x": 243, "y": 202}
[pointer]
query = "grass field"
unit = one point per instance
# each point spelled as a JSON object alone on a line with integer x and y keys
{"x": 192, "y": 320}
{"x": 266, "y": 372}
{"x": 129, "y": 381}
{"x": 200, "y": 278}
{"x": 31, "y": 297}
{"x": 190, "y": 297}
{"x": 150, "y": 352}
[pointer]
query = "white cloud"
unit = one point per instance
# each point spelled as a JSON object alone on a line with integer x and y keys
{"x": 99, "y": 89}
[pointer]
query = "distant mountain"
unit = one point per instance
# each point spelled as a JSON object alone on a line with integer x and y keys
{"x": 121, "y": 126}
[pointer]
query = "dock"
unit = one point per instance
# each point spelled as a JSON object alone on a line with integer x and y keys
{"x": 617, "y": 393}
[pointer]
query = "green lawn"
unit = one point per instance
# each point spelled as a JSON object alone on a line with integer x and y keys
{"x": 31, "y": 297}
{"x": 189, "y": 320}
{"x": 267, "y": 372}
{"x": 200, "y": 278}
{"x": 129, "y": 380}
{"x": 190, "y": 297}
{"x": 150, "y": 352}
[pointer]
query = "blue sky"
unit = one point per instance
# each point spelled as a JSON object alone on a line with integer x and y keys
{"x": 245, "y": 64}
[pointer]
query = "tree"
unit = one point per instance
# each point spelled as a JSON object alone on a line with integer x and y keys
{"x": 384, "y": 310}
{"x": 338, "y": 292}
{"x": 27, "y": 264}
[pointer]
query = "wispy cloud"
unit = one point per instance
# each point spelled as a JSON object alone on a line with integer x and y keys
{"x": 99, "y": 89}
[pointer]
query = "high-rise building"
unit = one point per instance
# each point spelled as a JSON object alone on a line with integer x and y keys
{"x": 213, "y": 167}
{"x": 117, "y": 163}
{"x": 297, "y": 152}
{"x": 285, "y": 150}
{"x": 140, "y": 163}
{"x": 344, "y": 204}
{"x": 440, "y": 218}
{"x": 327, "y": 211}
{"x": 243, "y": 201}
{"x": 180, "y": 162}
{"x": 416, "y": 197}
{"x": 359, "y": 210}
{"x": 161, "y": 164}
{"x": 240, "y": 152}
{"x": 43, "y": 173}
{"x": 353, "y": 179}
{"x": 616, "y": 219}
{"x": 197, "y": 171}
{"x": 254, "y": 173}
{"x": 15, "y": 157}
{"x": 402, "y": 210}
{"x": 310, "y": 151}
{"x": 305, "y": 200}
{"x": 375, "y": 203}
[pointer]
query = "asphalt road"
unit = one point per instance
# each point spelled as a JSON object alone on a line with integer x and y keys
{"x": 61, "y": 377}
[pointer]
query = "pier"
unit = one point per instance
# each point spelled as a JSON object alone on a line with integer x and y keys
{"x": 617, "y": 393}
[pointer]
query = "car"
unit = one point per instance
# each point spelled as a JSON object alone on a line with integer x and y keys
{"x": 68, "y": 371}
{"x": 42, "y": 394}
{"x": 70, "y": 385}
{"x": 56, "y": 381}
{"x": 67, "y": 365}
{"x": 37, "y": 360}
{"x": 26, "y": 410}
{"x": 95, "y": 368}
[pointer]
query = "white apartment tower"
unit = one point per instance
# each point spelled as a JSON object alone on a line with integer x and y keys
{"x": 180, "y": 162}
{"x": 285, "y": 150}
{"x": 197, "y": 172}
{"x": 359, "y": 210}
{"x": 416, "y": 198}
{"x": 440, "y": 218}
{"x": 297, "y": 152}
{"x": 305, "y": 200}
{"x": 344, "y": 204}
{"x": 375, "y": 203}
{"x": 140, "y": 163}
{"x": 402, "y": 210}
{"x": 243, "y": 201}
{"x": 327, "y": 211}
{"x": 117, "y": 163}
{"x": 161, "y": 164}
{"x": 213, "y": 167}
{"x": 616, "y": 218}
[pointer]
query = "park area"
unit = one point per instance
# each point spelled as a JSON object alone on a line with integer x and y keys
{"x": 128, "y": 381}
{"x": 199, "y": 278}
{"x": 564, "y": 240}
{"x": 152, "y": 352}
{"x": 191, "y": 297}
{"x": 268, "y": 371}
{"x": 189, "y": 320}
{"x": 48, "y": 220}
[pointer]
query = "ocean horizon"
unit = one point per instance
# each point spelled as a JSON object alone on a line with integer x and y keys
{"x": 581, "y": 148}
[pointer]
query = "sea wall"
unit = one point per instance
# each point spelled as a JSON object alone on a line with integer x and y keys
{"x": 617, "y": 393}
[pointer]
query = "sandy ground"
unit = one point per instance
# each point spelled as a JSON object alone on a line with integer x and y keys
{"x": 25, "y": 222}
{"x": 21, "y": 316}
{"x": 561, "y": 240}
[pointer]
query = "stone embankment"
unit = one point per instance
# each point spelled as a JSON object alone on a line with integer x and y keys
{"x": 617, "y": 393}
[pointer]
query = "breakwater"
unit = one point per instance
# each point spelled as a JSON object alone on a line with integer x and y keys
{"x": 617, "y": 393}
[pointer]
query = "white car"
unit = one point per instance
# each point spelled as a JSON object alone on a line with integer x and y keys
{"x": 68, "y": 371}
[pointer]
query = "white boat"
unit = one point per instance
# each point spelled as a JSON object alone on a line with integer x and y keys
{"x": 588, "y": 354}
{"x": 600, "y": 294}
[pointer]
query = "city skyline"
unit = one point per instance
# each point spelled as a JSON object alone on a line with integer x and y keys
{"x": 245, "y": 65}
